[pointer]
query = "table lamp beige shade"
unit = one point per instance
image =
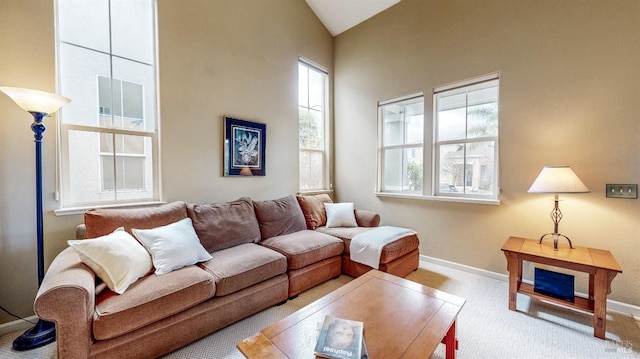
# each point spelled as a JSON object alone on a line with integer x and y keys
{"x": 34, "y": 100}
{"x": 556, "y": 180}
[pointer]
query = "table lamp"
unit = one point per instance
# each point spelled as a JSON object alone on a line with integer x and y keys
{"x": 556, "y": 180}
{"x": 39, "y": 104}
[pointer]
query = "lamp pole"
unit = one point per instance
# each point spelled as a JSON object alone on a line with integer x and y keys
{"x": 39, "y": 104}
{"x": 44, "y": 332}
{"x": 38, "y": 128}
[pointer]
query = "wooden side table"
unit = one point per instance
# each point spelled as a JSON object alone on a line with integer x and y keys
{"x": 600, "y": 265}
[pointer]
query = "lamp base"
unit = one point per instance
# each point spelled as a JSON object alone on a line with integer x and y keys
{"x": 43, "y": 333}
{"x": 555, "y": 240}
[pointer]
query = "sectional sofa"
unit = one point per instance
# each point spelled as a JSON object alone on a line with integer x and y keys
{"x": 140, "y": 283}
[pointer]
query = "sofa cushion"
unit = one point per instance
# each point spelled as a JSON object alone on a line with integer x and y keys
{"x": 117, "y": 258}
{"x": 242, "y": 266}
{"x": 102, "y": 221}
{"x": 279, "y": 216}
{"x": 173, "y": 246}
{"x": 344, "y": 233}
{"x": 224, "y": 225}
{"x": 150, "y": 299}
{"x": 313, "y": 209}
{"x": 305, "y": 247}
{"x": 390, "y": 252}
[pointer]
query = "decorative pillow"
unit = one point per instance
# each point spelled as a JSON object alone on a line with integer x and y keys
{"x": 225, "y": 225}
{"x": 117, "y": 258}
{"x": 313, "y": 209}
{"x": 340, "y": 215}
{"x": 173, "y": 246}
{"x": 279, "y": 216}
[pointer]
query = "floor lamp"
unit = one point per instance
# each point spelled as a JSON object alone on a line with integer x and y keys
{"x": 39, "y": 104}
{"x": 556, "y": 180}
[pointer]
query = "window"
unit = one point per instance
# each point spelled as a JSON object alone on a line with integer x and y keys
{"x": 108, "y": 133}
{"x": 460, "y": 162}
{"x": 313, "y": 128}
{"x": 401, "y": 138}
{"x": 466, "y": 139}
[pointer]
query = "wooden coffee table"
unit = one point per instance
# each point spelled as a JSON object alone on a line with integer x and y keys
{"x": 402, "y": 319}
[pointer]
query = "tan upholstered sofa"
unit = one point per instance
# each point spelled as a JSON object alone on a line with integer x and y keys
{"x": 261, "y": 253}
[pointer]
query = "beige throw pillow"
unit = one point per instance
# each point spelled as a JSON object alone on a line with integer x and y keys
{"x": 117, "y": 258}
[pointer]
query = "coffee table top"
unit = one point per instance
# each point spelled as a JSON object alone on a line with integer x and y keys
{"x": 402, "y": 319}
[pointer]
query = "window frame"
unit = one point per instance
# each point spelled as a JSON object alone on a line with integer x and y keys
{"x": 325, "y": 152}
{"x": 149, "y": 138}
{"x": 467, "y": 140}
{"x": 431, "y": 175}
{"x": 384, "y": 148}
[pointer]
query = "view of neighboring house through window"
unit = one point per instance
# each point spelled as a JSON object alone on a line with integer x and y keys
{"x": 466, "y": 146}
{"x": 108, "y": 133}
{"x": 313, "y": 127}
{"x": 401, "y": 129}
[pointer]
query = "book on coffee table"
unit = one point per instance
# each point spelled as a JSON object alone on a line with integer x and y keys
{"x": 340, "y": 339}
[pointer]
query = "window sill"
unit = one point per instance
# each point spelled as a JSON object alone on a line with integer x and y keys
{"x": 317, "y": 191}
{"x": 493, "y": 202}
{"x": 80, "y": 210}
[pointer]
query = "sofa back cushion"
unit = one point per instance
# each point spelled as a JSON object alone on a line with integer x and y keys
{"x": 224, "y": 225}
{"x": 102, "y": 221}
{"x": 313, "y": 209}
{"x": 279, "y": 216}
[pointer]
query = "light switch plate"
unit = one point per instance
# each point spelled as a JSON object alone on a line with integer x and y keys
{"x": 629, "y": 191}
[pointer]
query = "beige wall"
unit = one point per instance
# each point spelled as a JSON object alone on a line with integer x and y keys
{"x": 568, "y": 95}
{"x": 217, "y": 57}
{"x": 240, "y": 60}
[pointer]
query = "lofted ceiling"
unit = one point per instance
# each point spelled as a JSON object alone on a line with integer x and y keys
{"x": 341, "y": 15}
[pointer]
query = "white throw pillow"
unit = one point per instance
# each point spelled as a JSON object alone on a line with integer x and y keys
{"x": 172, "y": 246}
{"x": 340, "y": 215}
{"x": 117, "y": 258}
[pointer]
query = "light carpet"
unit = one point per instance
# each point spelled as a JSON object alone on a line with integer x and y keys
{"x": 486, "y": 328}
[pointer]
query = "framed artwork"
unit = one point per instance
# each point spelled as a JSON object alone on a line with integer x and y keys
{"x": 244, "y": 147}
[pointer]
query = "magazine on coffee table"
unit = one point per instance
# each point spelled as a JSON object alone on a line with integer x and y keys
{"x": 340, "y": 339}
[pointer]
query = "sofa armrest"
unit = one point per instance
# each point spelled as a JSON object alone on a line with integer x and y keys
{"x": 67, "y": 298}
{"x": 366, "y": 218}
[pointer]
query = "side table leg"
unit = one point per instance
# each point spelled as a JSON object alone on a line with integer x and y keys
{"x": 600, "y": 303}
{"x": 515, "y": 271}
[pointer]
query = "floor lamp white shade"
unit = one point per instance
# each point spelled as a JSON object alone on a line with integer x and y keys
{"x": 34, "y": 100}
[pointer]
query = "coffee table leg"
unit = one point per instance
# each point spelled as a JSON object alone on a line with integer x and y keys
{"x": 450, "y": 342}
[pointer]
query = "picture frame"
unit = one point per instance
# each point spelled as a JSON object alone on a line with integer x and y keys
{"x": 244, "y": 147}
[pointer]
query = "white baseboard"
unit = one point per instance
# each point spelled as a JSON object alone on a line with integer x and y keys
{"x": 17, "y": 325}
{"x": 612, "y": 305}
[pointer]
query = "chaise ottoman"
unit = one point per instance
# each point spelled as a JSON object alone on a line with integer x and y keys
{"x": 399, "y": 257}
